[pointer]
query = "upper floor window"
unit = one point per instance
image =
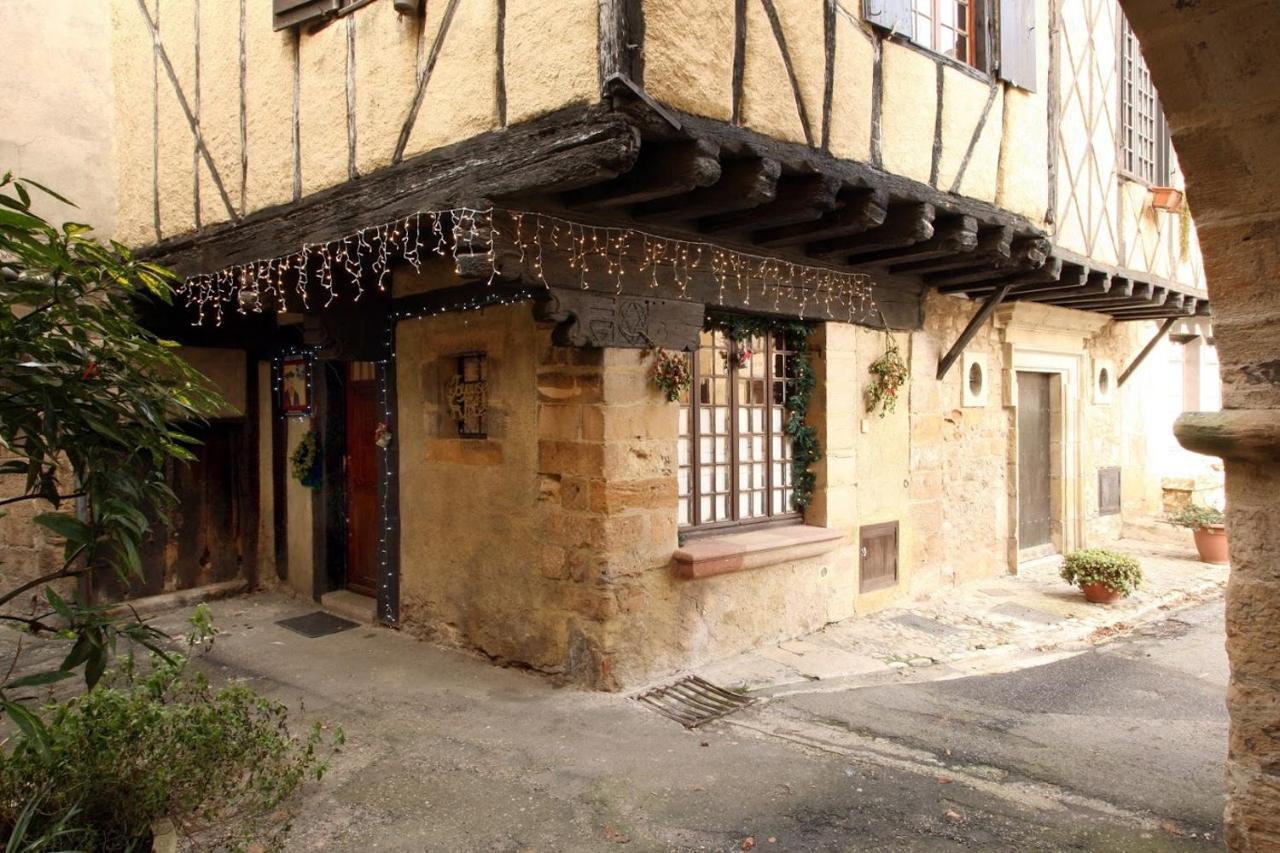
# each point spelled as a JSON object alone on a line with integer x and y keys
{"x": 947, "y": 27}
{"x": 734, "y": 455}
{"x": 994, "y": 36}
{"x": 1144, "y": 136}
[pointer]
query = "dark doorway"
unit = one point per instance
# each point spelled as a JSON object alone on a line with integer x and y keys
{"x": 203, "y": 539}
{"x": 361, "y": 478}
{"x": 1035, "y": 504}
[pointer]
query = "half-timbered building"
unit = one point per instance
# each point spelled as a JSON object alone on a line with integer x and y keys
{"x": 552, "y": 325}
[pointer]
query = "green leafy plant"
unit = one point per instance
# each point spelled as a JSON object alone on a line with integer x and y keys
{"x": 1196, "y": 517}
{"x": 1088, "y": 566}
{"x": 93, "y": 406}
{"x": 305, "y": 460}
{"x": 139, "y": 747}
{"x": 889, "y": 374}
{"x": 671, "y": 373}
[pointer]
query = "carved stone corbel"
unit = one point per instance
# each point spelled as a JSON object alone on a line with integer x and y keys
{"x": 587, "y": 319}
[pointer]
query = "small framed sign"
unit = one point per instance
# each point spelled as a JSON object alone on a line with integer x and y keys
{"x": 295, "y": 386}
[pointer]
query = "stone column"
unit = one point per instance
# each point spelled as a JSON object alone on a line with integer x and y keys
{"x": 1215, "y": 68}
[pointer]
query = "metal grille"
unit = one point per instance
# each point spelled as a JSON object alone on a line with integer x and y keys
{"x": 734, "y": 453}
{"x": 692, "y": 701}
{"x": 1144, "y": 137}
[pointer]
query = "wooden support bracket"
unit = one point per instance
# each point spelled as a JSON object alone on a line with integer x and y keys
{"x": 1146, "y": 351}
{"x": 987, "y": 309}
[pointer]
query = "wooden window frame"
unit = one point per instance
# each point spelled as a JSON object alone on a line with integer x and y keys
{"x": 933, "y": 20}
{"x": 1135, "y": 87}
{"x": 696, "y": 526}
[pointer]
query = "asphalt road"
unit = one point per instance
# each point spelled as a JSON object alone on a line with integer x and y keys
{"x": 1139, "y": 723}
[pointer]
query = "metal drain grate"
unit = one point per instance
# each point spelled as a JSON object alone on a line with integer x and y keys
{"x": 318, "y": 624}
{"x": 692, "y": 701}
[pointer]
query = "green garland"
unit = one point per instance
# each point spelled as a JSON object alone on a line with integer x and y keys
{"x": 305, "y": 460}
{"x": 806, "y": 450}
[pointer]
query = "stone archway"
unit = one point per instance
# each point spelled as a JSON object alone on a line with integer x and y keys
{"x": 1214, "y": 64}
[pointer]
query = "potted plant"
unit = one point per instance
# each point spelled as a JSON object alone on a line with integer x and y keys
{"x": 1208, "y": 525}
{"x": 1103, "y": 576}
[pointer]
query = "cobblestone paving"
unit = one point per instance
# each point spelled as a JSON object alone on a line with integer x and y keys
{"x": 983, "y": 626}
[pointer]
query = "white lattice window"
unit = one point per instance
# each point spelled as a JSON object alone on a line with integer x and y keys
{"x": 1144, "y": 137}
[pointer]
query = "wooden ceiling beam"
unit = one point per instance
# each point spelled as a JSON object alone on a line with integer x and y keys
{"x": 1140, "y": 298}
{"x": 663, "y": 170}
{"x": 1028, "y": 254}
{"x": 904, "y": 225}
{"x": 745, "y": 183}
{"x": 1051, "y": 271}
{"x": 994, "y": 246}
{"x": 1073, "y": 278}
{"x": 858, "y": 209}
{"x": 800, "y": 198}
{"x": 956, "y": 235}
{"x": 1098, "y": 284}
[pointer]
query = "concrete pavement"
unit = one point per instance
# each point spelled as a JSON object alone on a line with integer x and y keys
{"x": 446, "y": 752}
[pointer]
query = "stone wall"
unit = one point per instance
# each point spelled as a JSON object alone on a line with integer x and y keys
{"x": 1214, "y": 66}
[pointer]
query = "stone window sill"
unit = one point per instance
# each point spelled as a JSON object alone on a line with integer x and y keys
{"x": 753, "y": 549}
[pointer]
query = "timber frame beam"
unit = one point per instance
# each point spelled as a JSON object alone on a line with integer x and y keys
{"x": 630, "y": 163}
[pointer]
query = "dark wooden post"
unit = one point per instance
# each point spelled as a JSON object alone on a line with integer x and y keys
{"x": 1146, "y": 351}
{"x": 988, "y": 307}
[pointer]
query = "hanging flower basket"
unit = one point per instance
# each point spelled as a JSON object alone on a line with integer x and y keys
{"x": 671, "y": 374}
{"x": 889, "y": 374}
{"x": 305, "y": 461}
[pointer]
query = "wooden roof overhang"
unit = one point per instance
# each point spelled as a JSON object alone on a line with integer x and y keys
{"x": 632, "y": 163}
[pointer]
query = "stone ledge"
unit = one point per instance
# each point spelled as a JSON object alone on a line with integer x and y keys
{"x": 1245, "y": 435}
{"x": 753, "y": 549}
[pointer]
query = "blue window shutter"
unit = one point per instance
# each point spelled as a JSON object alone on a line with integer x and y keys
{"x": 1018, "y": 43}
{"x": 892, "y": 15}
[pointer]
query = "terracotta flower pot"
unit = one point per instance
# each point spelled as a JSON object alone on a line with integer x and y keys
{"x": 1211, "y": 542}
{"x": 1100, "y": 593}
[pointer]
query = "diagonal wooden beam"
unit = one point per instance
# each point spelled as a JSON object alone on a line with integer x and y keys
{"x": 411, "y": 119}
{"x": 987, "y": 309}
{"x": 1146, "y": 351}
{"x": 163, "y": 56}
{"x": 778, "y": 36}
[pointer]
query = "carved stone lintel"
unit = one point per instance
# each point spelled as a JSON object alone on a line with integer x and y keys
{"x": 616, "y": 320}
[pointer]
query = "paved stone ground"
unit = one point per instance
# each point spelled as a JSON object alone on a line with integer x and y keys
{"x": 449, "y": 753}
{"x": 987, "y": 626}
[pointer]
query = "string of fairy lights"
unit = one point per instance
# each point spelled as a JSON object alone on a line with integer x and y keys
{"x": 536, "y": 248}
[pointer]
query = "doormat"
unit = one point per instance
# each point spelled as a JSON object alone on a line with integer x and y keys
{"x": 318, "y": 624}
{"x": 692, "y": 701}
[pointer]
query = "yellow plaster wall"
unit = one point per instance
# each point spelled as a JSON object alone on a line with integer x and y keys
{"x": 551, "y": 60}
{"x": 268, "y": 92}
{"x": 908, "y": 115}
{"x": 688, "y": 58}
{"x": 220, "y": 110}
{"x": 851, "y": 95}
{"x": 386, "y": 71}
{"x": 133, "y": 69}
{"x": 963, "y": 99}
{"x": 299, "y": 541}
{"x": 322, "y": 110}
{"x": 546, "y": 74}
{"x": 176, "y": 142}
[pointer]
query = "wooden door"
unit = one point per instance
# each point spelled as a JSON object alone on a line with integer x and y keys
{"x": 1035, "y": 508}
{"x": 362, "y": 485}
{"x": 877, "y": 556}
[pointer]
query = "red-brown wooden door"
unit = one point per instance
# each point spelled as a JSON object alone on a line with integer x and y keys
{"x": 362, "y": 485}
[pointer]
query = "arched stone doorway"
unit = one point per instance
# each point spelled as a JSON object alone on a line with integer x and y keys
{"x": 1214, "y": 64}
